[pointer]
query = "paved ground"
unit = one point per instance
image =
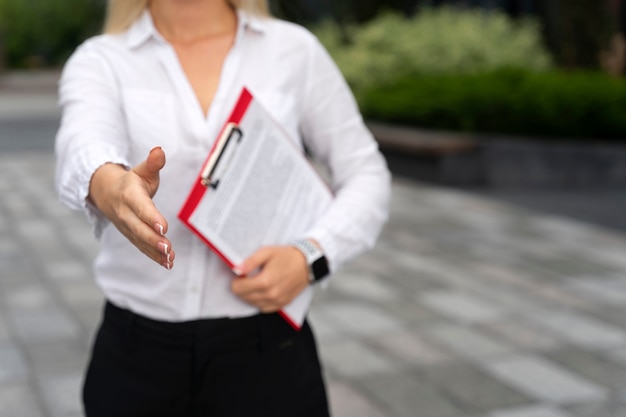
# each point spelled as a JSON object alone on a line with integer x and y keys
{"x": 467, "y": 307}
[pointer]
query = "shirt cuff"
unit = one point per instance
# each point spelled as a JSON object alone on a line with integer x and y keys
{"x": 95, "y": 217}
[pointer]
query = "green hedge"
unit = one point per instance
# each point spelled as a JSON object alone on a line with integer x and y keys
{"x": 557, "y": 104}
{"x": 44, "y": 32}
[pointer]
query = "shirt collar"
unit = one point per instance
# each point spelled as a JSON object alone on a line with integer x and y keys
{"x": 144, "y": 29}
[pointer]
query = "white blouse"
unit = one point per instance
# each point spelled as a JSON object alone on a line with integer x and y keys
{"x": 121, "y": 95}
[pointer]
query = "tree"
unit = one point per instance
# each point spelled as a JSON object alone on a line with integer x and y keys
{"x": 577, "y": 31}
{"x": 45, "y": 32}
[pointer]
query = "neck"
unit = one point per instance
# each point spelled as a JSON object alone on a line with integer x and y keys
{"x": 190, "y": 20}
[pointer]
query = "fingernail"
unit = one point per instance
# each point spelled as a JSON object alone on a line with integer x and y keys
{"x": 168, "y": 258}
{"x": 159, "y": 228}
{"x": 164, "y": 248}
{"x": 156, "y": 147}
{"x": 167, "y": 265}
{"x": 238, "y": 271}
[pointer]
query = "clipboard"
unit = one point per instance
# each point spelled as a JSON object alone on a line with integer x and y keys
{"x": 255, "y": 188}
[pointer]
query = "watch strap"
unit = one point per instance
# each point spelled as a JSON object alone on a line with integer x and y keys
{"x": 317, "y": 262}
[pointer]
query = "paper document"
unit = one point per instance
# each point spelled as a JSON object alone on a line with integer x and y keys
{"x": 255, "y": 189}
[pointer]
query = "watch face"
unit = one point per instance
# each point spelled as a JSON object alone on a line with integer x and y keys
{"x": 320, "y": 268}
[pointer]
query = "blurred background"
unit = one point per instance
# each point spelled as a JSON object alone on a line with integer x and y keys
{"x": 496, "y": 73}
{"x": 498, "y": 287}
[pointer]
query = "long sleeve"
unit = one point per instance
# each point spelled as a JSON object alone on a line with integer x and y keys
{"x": 335, "y": 134}
{"x": 92, "y": 130}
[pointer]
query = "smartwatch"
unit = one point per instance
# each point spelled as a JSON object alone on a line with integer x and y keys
{"x": 318, "y": 265}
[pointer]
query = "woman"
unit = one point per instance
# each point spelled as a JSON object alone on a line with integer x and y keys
{"x": 195, "y": 340}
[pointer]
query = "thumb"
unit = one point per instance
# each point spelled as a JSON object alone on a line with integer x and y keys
{"x": 149, "y": 169}
{"x": 254, "y": 262}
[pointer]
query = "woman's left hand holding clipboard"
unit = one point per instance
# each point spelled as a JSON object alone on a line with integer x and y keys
{"x": 282, "y": 275}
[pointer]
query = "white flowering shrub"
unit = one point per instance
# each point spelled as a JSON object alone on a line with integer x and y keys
{"x": 435, "y": 41}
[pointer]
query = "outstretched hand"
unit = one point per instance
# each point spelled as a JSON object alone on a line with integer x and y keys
{"x": 125, "y": 198}
{"x": 283, "y": 274}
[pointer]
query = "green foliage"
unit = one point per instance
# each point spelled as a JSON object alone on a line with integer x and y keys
{"x": 558, "y": 104}
{"x": 436, "y": 41}
{"x": 45, "y": 32}
{"x": 577, "y": 31}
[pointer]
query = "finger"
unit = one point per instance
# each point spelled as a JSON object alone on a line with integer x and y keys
{"x": 150, "y": 167}
{"x": 254, "y": 261}
{"x": 165, "y": 249}
{"x": 270, "y": 309}
{"x": 144, "y": 237}
{"x": 142, "y": 206}
{"x": 263, "y": 290}
{"x": 265, "y": 304}
{"x": 249, "y": 288}
{"x": 261, "y": 301}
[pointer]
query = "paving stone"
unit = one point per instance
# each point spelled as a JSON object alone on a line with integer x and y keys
{"x": 13, "y": 366}
{"x": 405, "y": 238}
{"x": 408, "y": 395}
{"x": 360, "y": 318}
{"x": 364, "y": 286}
{"x": 603, "y": 289}
{"x": 508, "y": 299}
{"x": 522, "y": 336}
{"x": 8, "y": 245}
{"x": 609, "y": 254}
{"x": 569, "y": 266}
{"x": 613, "y": 315}
{"x": 37, "y": 230}
{"x": 83, "y": 244}
{"x": 554, "y": 295}
{"x": 324, "y": 326}
{"x": 532, "y": 411}
{"x": 472, "y": 389}
{"x": 409, "y": 283}
{"x": 5, "y": 334}
{"x": 16, "y": 271}
{"x": 618, "y": 354}
{"x": 44, "y": 326}
{"x": 466, "y": 342}
{"x": 57, "y": 358}
{"x": 352, "y": 359}
{"x": 437, "y": 270}
{"x": 560, "y": 229}
{"x": 598, "y": 409}
{"x": 411, "y": 313}
{"x": 46, "y": 251}
{"x": 68, "y": 270}
{"x": 61, "y": 395}
{"x": 54, "y": 209}
{"x": 81, "y": 294}
{"x": 592, "y": 365}
{"x": 411, "y": 348}
{"x": 544, "y": 380}
{"x": 461, "y": 306}
{"x": 347, "y": 402}
{"x": 503, "y": 275}
{"x": 580, "y": 329}
{"x": 28, "y": 297}
{"x": 18, "y": 400}
{"x": 18, "y": 207}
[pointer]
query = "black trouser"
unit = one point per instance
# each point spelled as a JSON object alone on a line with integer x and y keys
{"x": 253, "y": 366}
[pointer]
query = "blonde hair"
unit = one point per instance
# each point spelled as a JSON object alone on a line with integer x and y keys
{"x": 122, "y": 13}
